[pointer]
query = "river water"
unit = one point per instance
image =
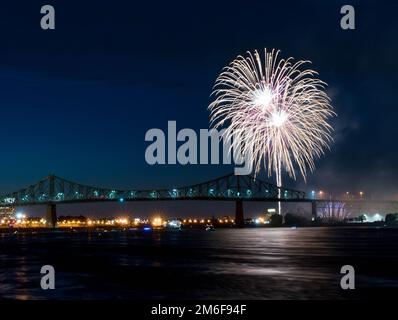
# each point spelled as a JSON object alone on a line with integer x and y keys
{"x": 280, "y": 263}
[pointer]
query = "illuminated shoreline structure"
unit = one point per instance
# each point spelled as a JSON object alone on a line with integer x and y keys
{"x": 7, "y": 213}
{"x": 334, "y": 211}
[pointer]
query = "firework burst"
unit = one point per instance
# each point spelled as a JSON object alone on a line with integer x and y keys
{"x": 278, "y": 108}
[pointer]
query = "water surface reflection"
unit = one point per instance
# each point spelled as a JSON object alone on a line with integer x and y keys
{"x": 194, "y": 264}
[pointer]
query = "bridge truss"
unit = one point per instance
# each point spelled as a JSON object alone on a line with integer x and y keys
{"x": 53, "y": 189}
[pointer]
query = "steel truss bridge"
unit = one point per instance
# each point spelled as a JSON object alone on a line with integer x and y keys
{"x": 54, "y": 190}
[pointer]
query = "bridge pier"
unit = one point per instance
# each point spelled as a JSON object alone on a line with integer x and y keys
{"x": 239, "y": 218}
{"x": 313, "y": 210}
{"x": 51, "y": 216}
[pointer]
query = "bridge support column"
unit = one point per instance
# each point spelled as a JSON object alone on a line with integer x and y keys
{"x": 314, "y": 210}
{"x": 51, "y": 216}
{"x": 239, "y": 218}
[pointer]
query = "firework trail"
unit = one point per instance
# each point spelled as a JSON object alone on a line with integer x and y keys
{"x": 277, "y": 108}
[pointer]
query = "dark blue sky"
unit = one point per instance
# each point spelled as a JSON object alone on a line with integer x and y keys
{"x": 77, "y": 101}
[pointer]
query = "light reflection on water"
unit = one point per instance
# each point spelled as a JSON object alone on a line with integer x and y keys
{"x": 283, "y": 263}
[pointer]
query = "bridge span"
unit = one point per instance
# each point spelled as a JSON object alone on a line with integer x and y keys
{"x": 52, "y": 191}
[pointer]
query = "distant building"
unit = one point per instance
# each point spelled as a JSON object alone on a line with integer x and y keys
{"x": 7, "y": 213}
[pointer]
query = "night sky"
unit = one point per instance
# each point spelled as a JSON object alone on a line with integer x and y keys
{"x": 77, "y": 101}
